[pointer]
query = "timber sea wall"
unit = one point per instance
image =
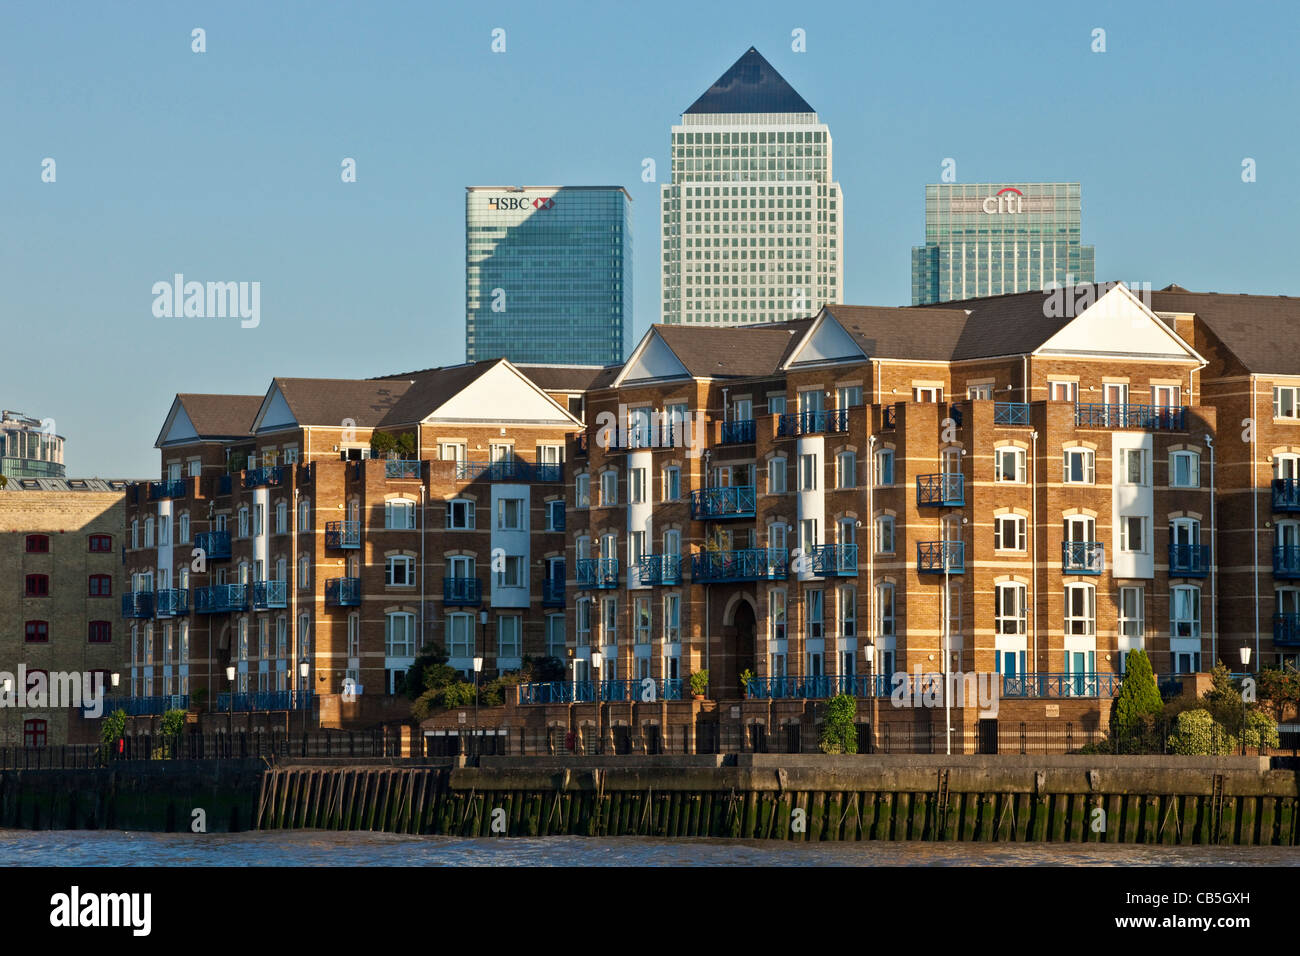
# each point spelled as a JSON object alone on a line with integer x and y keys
{"x": 1139, "y": 800}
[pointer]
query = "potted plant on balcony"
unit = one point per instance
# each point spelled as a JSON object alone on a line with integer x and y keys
{"x": 746, "y": 676}
{"x": 699, "y": 684}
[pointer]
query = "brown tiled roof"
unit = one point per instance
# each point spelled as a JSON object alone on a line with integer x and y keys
{"x": 328, "y": 401}
{"x": 902, "y": 333}
{"x": 220, "y": 416}
{"x": 732, "y": 351}
{"x": 425, "y": 391}
{"x": 564, "y": 378}
{"x": 1260, "y": 330}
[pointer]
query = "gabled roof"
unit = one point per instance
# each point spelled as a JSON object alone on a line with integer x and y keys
{"x": 903, "y": 333}
{"x": 329, "y": 401}
{"x": 751, "y": 85}
{"x": 564, "y": 378}
{"x": 701, "y": 351}
{"x": 1260, "y": 330}
{"x": 195, "y": 417}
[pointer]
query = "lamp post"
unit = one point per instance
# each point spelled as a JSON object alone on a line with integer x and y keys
{"x": 8, "y": 689}
{"x": 304, "y": 670}
{"x": 230, "y": 703}
{"x": 1245, "y": 663}
{"x": 596, "y": 660}
{"x": 478, "y": 666}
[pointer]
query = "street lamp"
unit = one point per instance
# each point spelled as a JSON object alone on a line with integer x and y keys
{"x": 8, "y": 689}
{"x": 478, "y": 666}
{"x": 1245, "y": 663}
{"x": 596, "y": 660}
{"x": 304, "y": 669}
{"x": 230, "y": 702}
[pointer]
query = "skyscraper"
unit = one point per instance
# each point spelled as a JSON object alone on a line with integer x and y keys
{"x": 986, "y": 239}
{"x": 548, "y": 274}
{"x": 751, "y": 223}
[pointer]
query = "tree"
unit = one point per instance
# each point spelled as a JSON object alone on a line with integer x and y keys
{"x": 1138, "y": 701}
{"x": 113, "y": 728}
{"x": 417, "y": 678}
{"x": 839, "y": 735}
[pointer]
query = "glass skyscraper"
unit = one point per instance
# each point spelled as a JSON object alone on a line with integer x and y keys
{"x": 548, "y": 274}
{"x": 986, "y": 239}
{"x": 751, "y": 222}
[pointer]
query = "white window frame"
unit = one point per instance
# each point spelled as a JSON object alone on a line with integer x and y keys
{"x": 392, "y": 563}
{"x": 467, "y": 515}
{"x": 1089, "y": 465}
{"x": 776, "y": 475}
{"x": 1019, "y": 468}
{"x": 1010, "y": 608}
{"x": 1019, "y": 527}
{"x": 1083, "y": 624}
{"x": 1193, "y": 469}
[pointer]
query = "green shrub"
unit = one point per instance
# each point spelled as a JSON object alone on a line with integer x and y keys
{"x": 1197, "y": 733}
{"x": 839, "y": 735}
{"x": 700, "y": 682}
{"x": 1138, "y": 697}
{"x": 458, "y": 694}
{"x": 113, "y": 728}
{"x": 173, "y": 722}
{"x": 1260, "y": 730}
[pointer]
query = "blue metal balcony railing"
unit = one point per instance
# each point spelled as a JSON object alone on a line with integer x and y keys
{"x": 137, "y": 604}
{"x": 931, "y": 555}
{"x": 342, "y": 534}
{"x": 1081, "y": 684}
{"x": 146, "y": 706}
{"x": 738, "y": 432}
{"x": 462, "y": 592}
{"x": 553, "y": 591}
{"x": 829, "y": 560}
{"x": 813, "y": 422}
{"x": 512, "y": 469}
{"x": 712, "y": 504}
{"x": 1286, "y": 495}
{"x": 270, "y": 594}
{"x": 1286, "y": 562}
{"x": 749, "y": 564}
{"x": 264, "y": 700}
{"x": 597, "y": 572}
{"x": 657, "y": 569}
{"x": 1010, "y": 413}
{"x": 171, "y": 602}
{"x": 568, "y": 692}
{"x": 1083, "y": 557}
{"x": 401, "y": 468}
{"x": 343, "y": 592}
{"x": 171, "y": 488}
{"x": 221, "y": 598}
{"x": 1148, "y": 417}
{"x": 215, "y": 545}
{"x": 270, "y": 477}
{"x": 820, "y": 687}
{"x": 944, "y": 490}
{"x": 1189, "y": 560}
{"x": 1286, "y": 630}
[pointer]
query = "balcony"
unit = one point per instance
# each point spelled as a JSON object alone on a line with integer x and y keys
{"x": 264, "y": 700}
{"x": 1152, "y": 418}
{"x": 1083, "y": 557}
{"x": 813, "y": 422}
{"x": 944, "y": 490}
{"x": 1286, "y": 630}
{"x": 597, "y": 573}
{"x": 342, "y": 534}
{"x": 934, "y": 557}
{"x": 1010, "y": 413}
{"x": 834, "y": 560}
{"x": 657, "y": 569}
{"x": 268, "y": 477}
{"x": 146, "y": 706}
{"x": 1189, "y": 560}
{"x": 553, "y": 591}
{"x": 512, "y": 469}
{"x": 171, "y": 488}
{"x": 221, "y": 598}
{"x": 343, "y": 592}
{"x": 1061, "y": 685}
{"x": 713, "y": 504}
{"x": 137, "y": 604}
{"x": 215, "y": 545}
{"x": 818, "y": 688}
{"x": 737, "y": 432}
{"x": 172, "y": 602}
{"x": 1286, "y": 495}
{"x": 401, "y": 468}
{"x": 749, "y": 564}
{"x": 1286, "y": 562}
{"x": 586, "y": 691}
{"x": 462, "y": 592}
{"x": 270, "y": 594}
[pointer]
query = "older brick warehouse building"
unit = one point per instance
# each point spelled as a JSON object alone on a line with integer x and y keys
{"x": 1026, "y": 486}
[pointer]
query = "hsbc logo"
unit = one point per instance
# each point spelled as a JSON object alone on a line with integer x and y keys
{"x": 508, "y": 203}
{"x": 1009, "y": 199}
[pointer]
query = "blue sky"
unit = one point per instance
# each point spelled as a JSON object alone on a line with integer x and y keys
{"x": 225, "y": 165}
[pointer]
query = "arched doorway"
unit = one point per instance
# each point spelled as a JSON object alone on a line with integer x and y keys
{"x": 740, "y": 635}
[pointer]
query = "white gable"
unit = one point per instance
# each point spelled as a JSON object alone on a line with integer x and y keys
{"x": 178, "y": 428}
{"x": 826, "y": 341}
{"x": 275, "y": 412}
{"x": 1118, "y": 322}
{"x": 501, "y": 393}
{"x": 652, "y": 359}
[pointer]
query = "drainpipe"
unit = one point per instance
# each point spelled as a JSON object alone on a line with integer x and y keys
{"x": 1033, "y": 539}
{"x": 1214, "y": 569}
{"x": 1254, "y": 495}
{"x": 292, "y": 623}
{"x": 422, "y": 630}
{"x": 1024, "y": 379}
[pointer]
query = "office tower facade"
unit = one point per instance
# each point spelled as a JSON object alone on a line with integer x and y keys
{"x": 548, "y": 274}
{"x": 985, "y": 239}
{"x": 751, "y": 223}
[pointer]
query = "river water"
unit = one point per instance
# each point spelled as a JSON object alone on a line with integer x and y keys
{"x": 329, "y": 848}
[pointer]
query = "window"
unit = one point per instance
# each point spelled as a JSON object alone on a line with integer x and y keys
{"x": 776, "y": 404}
{"x": 672, "y": 483}
{"x": 38, "y": 544}
{"x": 460, "y": 635}
{"x": 929, "y": 393}
{"x": 243, "y": 526}
{"x": 399, "y": 514}
{"x": 148, "y": 532}
{"x": 672, "y": 618}
{"x": 641, "y": 620}
{"x": 304, "y": 573}
{"x": 1080, "y": 609}
{"x": 1130, "y": 614}
{"x": 1009, "y": 465}
{"x": 183, "y": 526}
{"x": 885, "y": 534}
{"x": 635, "y": 547}
{"x": 510, "y": 514}
{"x": 846, "y": 469}
{"x": 636, "y": 486}
{"x": 609, "y": 488}
{"x": 807, "y": 534}
{"x": 1009, "y": 609}
{"x": 34, "y": 733}
{"x": 100, "y": 632}
{"x": 1185, "y": 469}
{"x": 978, "y": 392}
{"x": 1009, "y": 533}
{"x": 1133, "y": 466}
{"x": 609, "y": 621}
{"x": 38, "y": 585}
{"x": 460, "y": 515}
{"x": 582, "y": 491}
{"x": 1079, "y": 466}
{"x": 1131, "y": 533}
{"x": 304, "y": 515}
{"x": 555, "y": 516}
{"x": 101, "y": 585}
{"x": 281, "y": 518}
{"x": 1185, "y": 612}
{"x": 508, "y": 636}
{"x": 451, "y": 451}
{"x": 1286, "y": 401}
{"x": 101, "y": 543}
{"x": 848, "y": 611}
{"x": 258, "y": 521}
{"x": 776, "y": 476}
{"x": 399, "y": 571}
{"x": 36, "y": 632}
{"x": 399, "y": 634}
{"x": 1062, "y": 391}
{"x": 813, "y": 614}
{"x": 885, "y": 610}
{"x": 885, "y": 466}
{"x": 776, "y": 615}
{"x": 555, "y": 636}
{"x": 511, "y": 574}
{"x": 848, "y": 396}
{"x": 807, "y": 472}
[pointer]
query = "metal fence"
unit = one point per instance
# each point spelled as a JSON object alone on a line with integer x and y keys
{"x": 195, "y": 746}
